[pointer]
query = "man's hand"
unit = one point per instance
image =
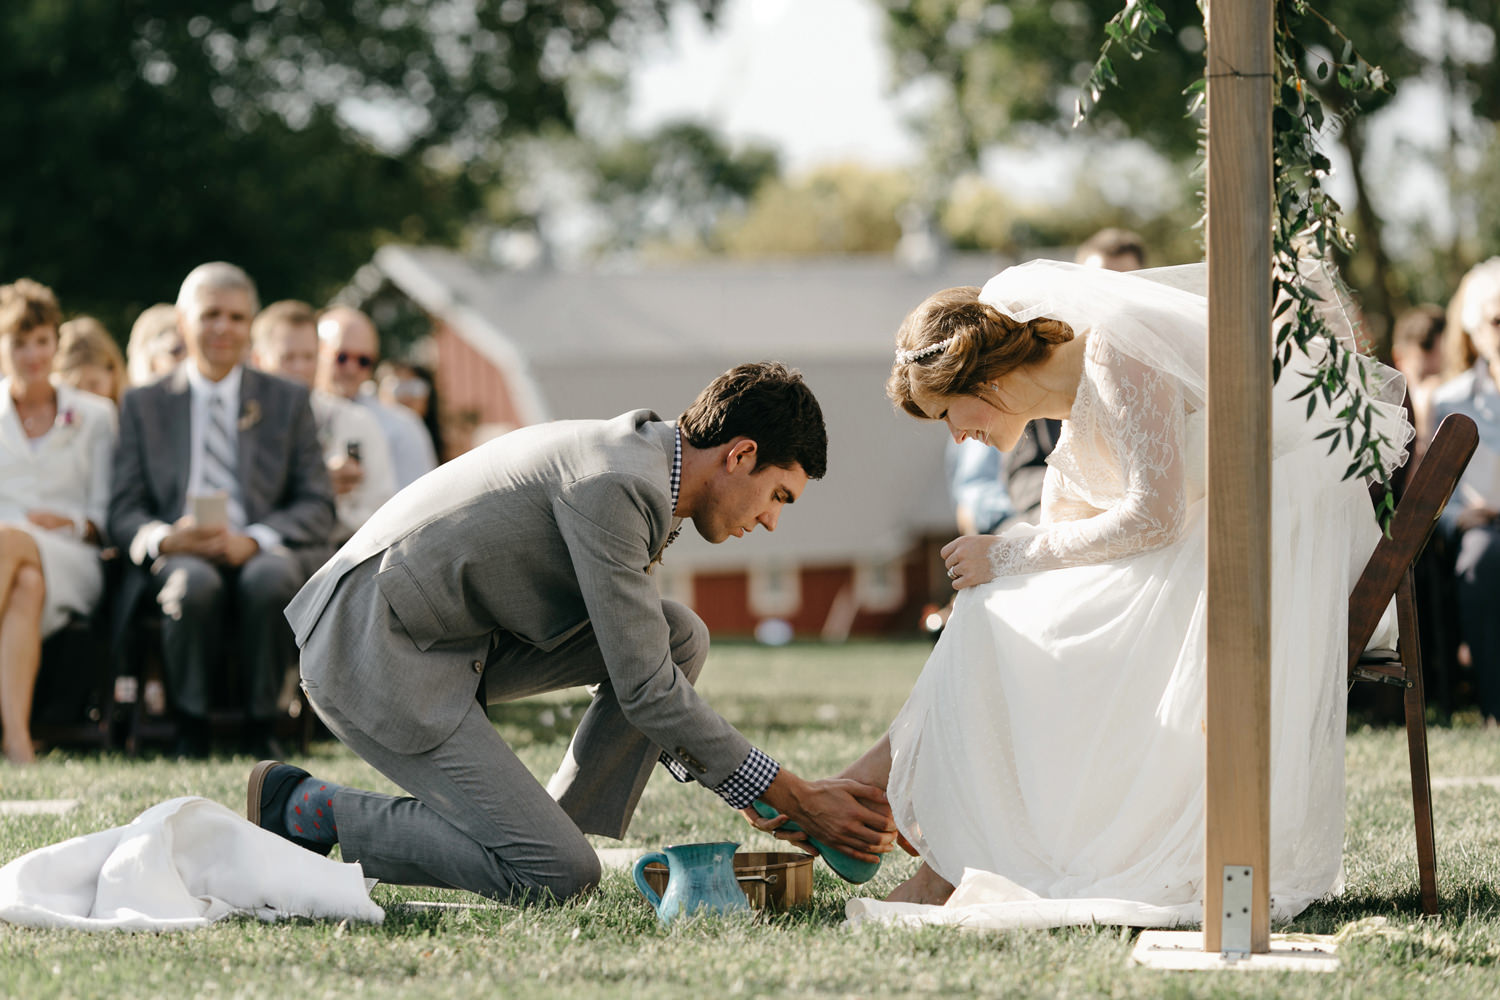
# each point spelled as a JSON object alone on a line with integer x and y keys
{"x": 187, "y": 537}
{"x": 968, "y": 560}
{"x": 849, "y": 815}
{"x": 1476, "y": 516}
{"x": 346, "y": 473}
{"x": 49, "y": 521}
{"x": 238, "y": 549}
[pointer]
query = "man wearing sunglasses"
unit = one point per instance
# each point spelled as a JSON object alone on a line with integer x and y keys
{"x": 348, "y": 348}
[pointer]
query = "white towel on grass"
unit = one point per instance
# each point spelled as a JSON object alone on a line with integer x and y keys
{"x": 179, "y": 865}
{"x": 987, "y": 901}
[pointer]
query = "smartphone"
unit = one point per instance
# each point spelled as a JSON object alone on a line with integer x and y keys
{"x": 210, "y": 510}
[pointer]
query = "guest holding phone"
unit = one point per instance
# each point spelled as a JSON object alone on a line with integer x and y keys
{"x": 284, "y": 341}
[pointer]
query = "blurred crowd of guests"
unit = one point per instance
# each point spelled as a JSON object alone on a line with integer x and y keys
{"x": 203, "y": 476}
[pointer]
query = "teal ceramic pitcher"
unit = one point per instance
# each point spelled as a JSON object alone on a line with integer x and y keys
{"x": 699, "y": 877}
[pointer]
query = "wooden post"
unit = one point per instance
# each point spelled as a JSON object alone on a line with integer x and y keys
{"x": 1239, "y": 475}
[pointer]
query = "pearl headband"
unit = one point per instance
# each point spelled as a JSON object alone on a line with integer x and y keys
{"x": 907, "y": 357}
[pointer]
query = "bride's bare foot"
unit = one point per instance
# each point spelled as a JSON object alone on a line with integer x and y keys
{"x": 926, "y": 886}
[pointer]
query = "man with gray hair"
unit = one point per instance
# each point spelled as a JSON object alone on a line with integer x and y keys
{"x": 218, "y": 477}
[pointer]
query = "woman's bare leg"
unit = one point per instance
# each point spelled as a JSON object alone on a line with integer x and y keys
{"x": 926, "y": 886}
{"x": 22, "y": 595}
{"x": 17, "y": 549}
{"x": 874, "y": 766}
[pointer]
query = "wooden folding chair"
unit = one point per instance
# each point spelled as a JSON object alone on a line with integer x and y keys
{"x": 1389, "y": 573}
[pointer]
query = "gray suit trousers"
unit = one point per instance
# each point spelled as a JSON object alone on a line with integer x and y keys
{"x": 199, "y": 603}
{"x": 475, "y": 817}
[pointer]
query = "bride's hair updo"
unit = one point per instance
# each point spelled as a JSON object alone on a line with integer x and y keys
{"x": 983, "y": 345}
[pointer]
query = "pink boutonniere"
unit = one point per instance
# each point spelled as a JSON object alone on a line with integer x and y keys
{"x": 250, "y": 416}
{"x": 66, "y": 417}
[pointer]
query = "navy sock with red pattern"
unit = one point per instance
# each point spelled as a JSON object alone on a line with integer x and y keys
{"x": 309, "y": 812}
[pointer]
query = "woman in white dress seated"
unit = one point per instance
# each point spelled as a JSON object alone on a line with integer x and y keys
{"x": 1049, "y": 761}
{"x": 55, "y": 452}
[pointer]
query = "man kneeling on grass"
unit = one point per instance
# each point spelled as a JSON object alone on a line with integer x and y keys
{"x": 522, "y": 567}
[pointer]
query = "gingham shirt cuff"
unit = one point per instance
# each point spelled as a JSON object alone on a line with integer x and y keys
{"x": 675, "y": 767}
{"x": 748, "y": 782}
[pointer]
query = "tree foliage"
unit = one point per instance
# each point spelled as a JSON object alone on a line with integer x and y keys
{"x": 837, "y": 209}
{"x": 145, "y": 136}
{"x": 1010, "y": 64}
{"x": 671, "y": 188}
{"x": 1023, "y": 62}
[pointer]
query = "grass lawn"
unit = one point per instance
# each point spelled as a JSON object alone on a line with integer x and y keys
{"x": 815, "y": 708}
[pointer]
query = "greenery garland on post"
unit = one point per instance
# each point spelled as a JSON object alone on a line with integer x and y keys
{"x": 1306, "y": 224}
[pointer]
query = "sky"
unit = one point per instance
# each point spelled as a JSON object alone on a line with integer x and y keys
{"x": 811, "y": 78}
{"x": 808, "y": 76}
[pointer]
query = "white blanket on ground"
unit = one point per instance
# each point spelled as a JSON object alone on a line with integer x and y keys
{"x": 984, "y": 900}
{"x": 179, "y": 865}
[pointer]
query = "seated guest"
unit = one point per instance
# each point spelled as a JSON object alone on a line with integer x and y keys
{"x": 54, "y": 481}
{"x": 1417, "y": 353}
{"x": 1470, "y": 517}
{"x": 415, "y": 387}
{"x": 89, "y": 359}
{"x": 155, "y": 346}
{"x": 218, "y": 476}
{"x": 349, "y": 349}
{"x": 284, "y": 341}
{"x": 976, "y": 482}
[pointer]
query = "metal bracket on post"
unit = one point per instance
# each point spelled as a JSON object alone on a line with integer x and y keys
{"x": 1234, "y": 935}
{"x": 1183, "y": 950}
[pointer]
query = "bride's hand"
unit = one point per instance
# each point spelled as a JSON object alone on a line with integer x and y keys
{"x": 968, "y": 560}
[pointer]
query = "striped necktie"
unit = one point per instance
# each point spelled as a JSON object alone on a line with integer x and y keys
{"x": 220, "y": 449}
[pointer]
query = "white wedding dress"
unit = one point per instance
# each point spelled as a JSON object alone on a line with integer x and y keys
{"x": 1049, "y": 761}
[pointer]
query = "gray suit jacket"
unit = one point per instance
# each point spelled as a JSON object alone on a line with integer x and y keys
{"x": 530, "y": 537}
{"x": 283, "y": 480}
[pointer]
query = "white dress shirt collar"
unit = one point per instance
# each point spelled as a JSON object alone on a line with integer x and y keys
{"x": 228, "y": 387}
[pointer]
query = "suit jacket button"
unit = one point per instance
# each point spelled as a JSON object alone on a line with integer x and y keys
{"x": 690, "y": 760}
{"x": 478, "y": 666}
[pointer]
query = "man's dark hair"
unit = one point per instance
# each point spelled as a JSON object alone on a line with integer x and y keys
{"x": 768, "y": 403}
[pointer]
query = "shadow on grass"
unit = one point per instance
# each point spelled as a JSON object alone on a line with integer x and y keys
{"x": 1474, "y": 902}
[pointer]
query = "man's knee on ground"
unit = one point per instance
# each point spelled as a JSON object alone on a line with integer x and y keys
{"x": 564, "y": 878}
{"x": 688, "y": 637}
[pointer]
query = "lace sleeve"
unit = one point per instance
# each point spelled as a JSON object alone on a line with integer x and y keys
{"x": 1138, "y": 419}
